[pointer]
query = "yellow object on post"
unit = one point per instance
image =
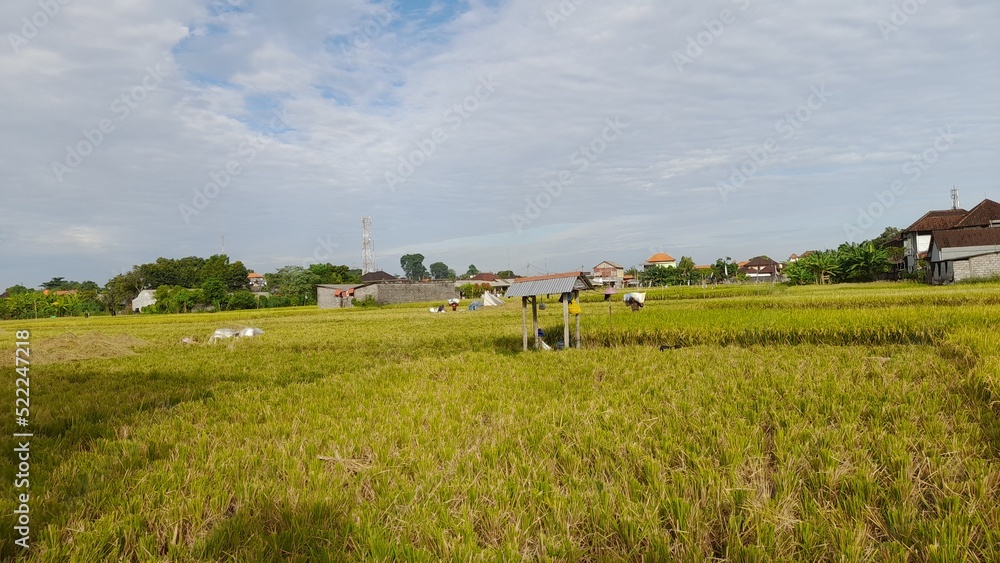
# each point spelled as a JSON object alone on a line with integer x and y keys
{"x": 574, "y": 307}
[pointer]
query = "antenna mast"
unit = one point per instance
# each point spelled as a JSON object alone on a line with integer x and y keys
{"x": 367, "y": 246}
{"x": 954, "y": 197}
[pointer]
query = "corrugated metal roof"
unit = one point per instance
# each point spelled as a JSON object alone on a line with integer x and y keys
{"x": 546, "y": 285}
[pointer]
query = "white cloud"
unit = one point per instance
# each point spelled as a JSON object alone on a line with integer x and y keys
{"x": 352, "y": 112}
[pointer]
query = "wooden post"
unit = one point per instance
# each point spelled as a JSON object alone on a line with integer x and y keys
{"x": 576, "y": 295}
{"x": 534, "y": 317}
{"x": 566, "y": 298}
{"x": 524, "y": 321}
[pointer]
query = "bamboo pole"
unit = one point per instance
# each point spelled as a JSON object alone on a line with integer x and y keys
{"x": 524, "y": 322}
{"x": 566, "y": 298}
{"x": 576, "y": 295}
{"x": 534, "y": 317}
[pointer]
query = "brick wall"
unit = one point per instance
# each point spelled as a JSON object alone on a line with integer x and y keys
{"x": 985, "y": 266}
{"x": 394, "y": 293}
{"x": 961, "y": 270}
{"x": 326, "y": 300}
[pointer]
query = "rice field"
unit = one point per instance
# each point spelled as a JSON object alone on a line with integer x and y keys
{"x": 843, "y": 423}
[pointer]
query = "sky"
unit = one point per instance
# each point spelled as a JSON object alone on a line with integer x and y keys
{"x": 532, "y": 135}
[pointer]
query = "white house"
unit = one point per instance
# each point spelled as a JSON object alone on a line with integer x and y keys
{"x": 661, "y": 259}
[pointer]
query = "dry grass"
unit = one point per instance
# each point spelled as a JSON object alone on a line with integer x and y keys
{"x": 68, "y": 347}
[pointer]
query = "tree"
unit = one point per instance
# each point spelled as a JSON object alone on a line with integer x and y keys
{"x": 863, "y": 262}
{"x": 439, "y": 271}
{"x": 660, "y": 275}
{"x": 232, "y": 275}
{"x": 686, "y": 267}
{"x": 328, "y": 273}
{"x": 473, "y": 290}
{"x": 242, "y": 299}
{"x": 55, "y": 284}
{"x": 123, "y": 288}
{"x": 472, "y": 271}
{"x": 798, "y": 273}
{"x": 185, "y": 272}
{"x": 724, "y": 268}
{"x": 413, "y": 266}
{"x": 506, "y": 274}
{"x": 17, "y": 290}
{"x": 293, "y": 281}
{"x": 890, "y": 233}
{"x": 213, "y": 292}
{"x": 823, "y": 265}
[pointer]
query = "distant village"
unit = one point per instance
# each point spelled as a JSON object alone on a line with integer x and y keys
{"x": 942, "y": 246}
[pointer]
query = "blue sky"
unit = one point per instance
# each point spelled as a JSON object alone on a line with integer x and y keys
{"x": 495, "y": 133}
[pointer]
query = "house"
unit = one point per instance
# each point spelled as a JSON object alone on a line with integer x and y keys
{"x": 144, "y": 299}
{"x": 378, "y": 276}
{"x": 257, "y": 281}
{"x": 661, "y": 259}
{"x": 762, "y": 268}
{"x": 495, "y": 284}
{"x": 961, "y": 254}
{"x": 986, "y": 214}
{"x": 609, "y": 273}
{"x": 970, "y": 248}
{"x": 917, "y": 237}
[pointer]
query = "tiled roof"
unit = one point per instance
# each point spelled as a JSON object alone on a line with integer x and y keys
{"x": 484, "y": 276}
{"x": 761, "y": 261}
{"x": 937, "y": 220}
{"x": 377, "y": 275}
{"x": 660, "y": 257}
{"x": 980, "y": 215}
{"x": 966, "y": 237}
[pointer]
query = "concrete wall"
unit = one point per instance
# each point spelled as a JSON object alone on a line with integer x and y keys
{"x": 959, "y": 270}
{"x": 985, "y": 266}
{"x": 326, "y": 300}
{"x": 394, "y": 293}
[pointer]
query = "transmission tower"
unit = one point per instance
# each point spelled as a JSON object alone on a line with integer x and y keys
{"x": 954, "y": 197}
{"x": 367, "y": 246}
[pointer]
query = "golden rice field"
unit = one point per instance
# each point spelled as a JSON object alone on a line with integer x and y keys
{"x": 851, "y": 423}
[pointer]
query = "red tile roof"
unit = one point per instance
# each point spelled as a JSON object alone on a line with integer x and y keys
{"x": 980, "y": 215}
{"x": 966, "y": 237}
{"x": 937, "y": 220}
{"x": 660, "y": 257}
{"x": 484, "y": 276}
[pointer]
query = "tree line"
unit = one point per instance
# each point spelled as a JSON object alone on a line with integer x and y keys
{"x": 181, "y": 285}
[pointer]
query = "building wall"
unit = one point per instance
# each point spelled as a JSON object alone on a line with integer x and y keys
{"x": 144, "y": 299}
{"x": 395, "y": 293}
{"x": 326, "y": 300}
{"x": 959, "y": 270}
{"x": 913, "y": 245}
{"x": 984, "y": 266}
